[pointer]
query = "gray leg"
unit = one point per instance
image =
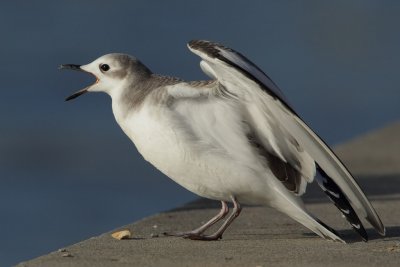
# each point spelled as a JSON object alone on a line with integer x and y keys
{"x": 218, "y": 234}
{"x": 224, "y": 210}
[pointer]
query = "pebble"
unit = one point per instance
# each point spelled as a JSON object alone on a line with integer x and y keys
{"x": 124, "y": 234}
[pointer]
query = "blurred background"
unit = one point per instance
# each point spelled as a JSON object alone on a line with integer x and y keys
{"x": 67, "y": 172}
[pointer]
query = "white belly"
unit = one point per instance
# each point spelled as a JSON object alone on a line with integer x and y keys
{"x": 205, "y": 171}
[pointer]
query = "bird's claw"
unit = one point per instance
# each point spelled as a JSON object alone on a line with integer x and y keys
{"x": 193, "y": 236}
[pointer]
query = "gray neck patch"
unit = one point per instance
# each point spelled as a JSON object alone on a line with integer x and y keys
{"x": 141, "y": 88}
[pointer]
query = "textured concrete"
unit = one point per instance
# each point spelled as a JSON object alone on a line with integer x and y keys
{"x": 259, "y": 237}
{"x": 262, "y": 236}
{"x": 375, "y": 153}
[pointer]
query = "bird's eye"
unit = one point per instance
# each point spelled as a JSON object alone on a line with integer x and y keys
{"x": 104, "y": 67}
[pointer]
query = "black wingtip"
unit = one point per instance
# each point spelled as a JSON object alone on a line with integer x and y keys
{"x": 336, "y": 195}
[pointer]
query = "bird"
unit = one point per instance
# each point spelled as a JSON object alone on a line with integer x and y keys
{"x": 234, "y": 138}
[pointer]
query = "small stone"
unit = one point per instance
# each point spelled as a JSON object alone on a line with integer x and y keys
{"x": 155, "y": 226}
{"x": 124, "y": 234}
{"x": 153, "y": 235}
{"x": 66, "y": 255}
{"x": 61, "y": 250}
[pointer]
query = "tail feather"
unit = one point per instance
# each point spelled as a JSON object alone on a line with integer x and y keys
{"x": 336, "y": 195}
{"x": 327, "y": 227}
{"x": 316, "y": 225}
{"x": 293, "y": 206}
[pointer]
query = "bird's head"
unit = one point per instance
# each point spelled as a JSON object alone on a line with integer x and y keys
{"x": 112, "y": 72}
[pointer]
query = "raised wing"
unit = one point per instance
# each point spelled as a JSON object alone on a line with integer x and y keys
{"x": 264, "y": 99}
{"x": 240, "y": 63}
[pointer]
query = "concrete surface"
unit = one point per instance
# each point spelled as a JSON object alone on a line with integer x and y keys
{"x": 262, "y": 236}
{"x": 375, "y": 153}
{"x": 259, "y": 237}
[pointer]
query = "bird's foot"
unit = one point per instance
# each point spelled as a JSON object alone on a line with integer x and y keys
{"x": 197, "y": 234}
{"x": 177, "y": 234}
{"x": 194, "y": 236}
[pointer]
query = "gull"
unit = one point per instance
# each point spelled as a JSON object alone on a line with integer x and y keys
{"x": 233, "y": 138}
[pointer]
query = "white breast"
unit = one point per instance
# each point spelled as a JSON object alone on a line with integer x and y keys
{"x": 163, "y": 141}
{"x": 154, "y": 138}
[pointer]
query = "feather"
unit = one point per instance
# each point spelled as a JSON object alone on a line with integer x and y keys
{"x": 278, "y": 126}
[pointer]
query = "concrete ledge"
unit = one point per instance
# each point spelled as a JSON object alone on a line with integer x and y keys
{"x": 259, "y": 237}
{"x": 262, "y": 236}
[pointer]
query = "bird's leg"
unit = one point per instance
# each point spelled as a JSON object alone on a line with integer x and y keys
{"x": 218, "y": 234}
{"x": 222, "y": 213}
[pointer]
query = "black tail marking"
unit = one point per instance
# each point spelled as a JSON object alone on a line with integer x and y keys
{"x": 340, "y": 200}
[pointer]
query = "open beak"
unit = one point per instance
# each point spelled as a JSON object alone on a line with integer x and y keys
{"x": 77, "y": 68}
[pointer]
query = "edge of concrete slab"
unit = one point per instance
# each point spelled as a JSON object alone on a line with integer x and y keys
{"x": 260, "y": 237}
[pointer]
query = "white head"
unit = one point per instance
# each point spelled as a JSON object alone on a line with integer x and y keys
{"x": 112, "y": 71}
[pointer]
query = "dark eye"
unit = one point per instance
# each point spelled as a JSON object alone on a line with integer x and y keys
{"x": 104, "y": 67}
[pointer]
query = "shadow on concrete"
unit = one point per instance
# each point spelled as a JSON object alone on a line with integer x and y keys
{"x": 393, "y": 231}
{"x": 374, "y": 187}
{"x": 351, "y": 236}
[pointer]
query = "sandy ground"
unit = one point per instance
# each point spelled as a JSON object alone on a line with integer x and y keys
{"x": 259, "y": 237}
